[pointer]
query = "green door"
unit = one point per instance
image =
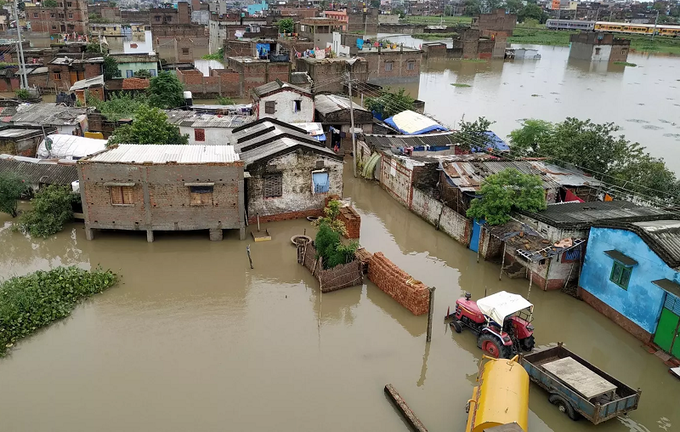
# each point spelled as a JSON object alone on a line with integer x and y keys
{"x": 667, "y": 330}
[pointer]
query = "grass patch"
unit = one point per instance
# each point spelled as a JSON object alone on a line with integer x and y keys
{"x": 460, "y": 85}
{"x": 28, "y": 303}
{"x": 435, "y": 20}
{"x": 625, "y": 64}
{"x": 434, "y": 36}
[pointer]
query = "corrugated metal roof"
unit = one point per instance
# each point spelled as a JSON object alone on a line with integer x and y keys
{"x": 397, "y": 141}
{"x": 264, "y": 131}
{"x": 666, "y": 235}
{"x": 14, "y": 133}
{"x": 161, "y": 154}
{"x": 583, "y": 215}
{"x": 572, "y": 177}
{"x": 327, "y": 104}
{"x": 468, "y": 176}
{"x": 281, "y": 145}
{"x": 46, "y": 114}
{"x": 34, "y": 171}
{"x": 300, "y": 78}
{"x": 88, "y": 82}
{"x": 276, "y": 85}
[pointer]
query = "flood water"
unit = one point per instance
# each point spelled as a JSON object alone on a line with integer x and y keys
{"x": 644, "y": 100}
{"x": 193, "y": 339}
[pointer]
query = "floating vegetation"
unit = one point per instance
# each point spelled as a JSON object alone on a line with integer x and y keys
{"x": 535, "y": 95}
{"x": 651, "y": 127}
{"x": 636, "y": 121}
{"x": 460, "y": 85}
{"x": 622, "y": 63}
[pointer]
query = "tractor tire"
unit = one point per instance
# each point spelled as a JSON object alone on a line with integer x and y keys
{"x": 493, "y": 347}
{"x": 528, "y": 344}
{"x": 457, "y": 326}
{"x": 563, "y": 406}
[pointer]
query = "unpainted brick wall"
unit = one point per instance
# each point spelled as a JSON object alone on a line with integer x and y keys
{"x": 411, "y": 294}
{"x": 352, "y": 222}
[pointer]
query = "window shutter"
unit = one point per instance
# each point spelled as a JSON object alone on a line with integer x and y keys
{"x": 116, "y": 195}
{"x": 199, "y": 134}
{"x": 273, "y": 185}
{"x": 127, "y": 194}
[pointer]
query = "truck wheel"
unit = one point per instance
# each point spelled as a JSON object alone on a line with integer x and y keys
{"x": 563, "y": 406}
{"x": 492, "y": 346}
{"x": 457, "y": 326}
{"x": 528, "y": 343}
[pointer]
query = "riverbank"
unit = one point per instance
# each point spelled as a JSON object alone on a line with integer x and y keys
{"x": 639, "y": 43}
{"x": 28, "y": 303}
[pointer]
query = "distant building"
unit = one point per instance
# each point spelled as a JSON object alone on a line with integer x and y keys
{"x": 284, "y": 102}
{"x": 163, "y": 188}
{"x": 65, "y": 71}
{"x": 319, "y": 30}
{"x": 496, "y": 26}
{"x": 598, "y": 47}
{"x": 339, "y": 15}
{"x": 631, "y": 274}
{"x": 128, "y": 64}
{"x": 332, "y": 111}
{"x": 170, "y": 15}
{"x": 67, "y": 120}
{"x": 22, "y": 140}
{"x": 392, "y": 64}
{"x": 330, "y": 74}
{"x": 254, "y": 72}
{"x": 290, "y": 174}
{"x": 207, "y": 129}
{"x": 68, "y": 16}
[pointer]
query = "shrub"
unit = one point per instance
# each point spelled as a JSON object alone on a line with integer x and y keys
{"x": 23, "y": 94}
{"x": 52, "y": 208}
{"x": 331, "y": 249}
{"x": 222, "y": 100}
{"x": 28, "y": 303}
{"x": 11, "y": 189}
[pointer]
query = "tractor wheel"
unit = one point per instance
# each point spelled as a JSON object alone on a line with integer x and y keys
{"x": 492, "y": 346}
{"x": 457, "y": 326}
{"x": 563, "y": 406}
{"x": 528, "y": 344}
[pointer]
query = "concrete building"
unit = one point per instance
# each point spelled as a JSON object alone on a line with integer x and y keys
{"x": 163, "y": 188}
{"x": 319, "y": 30}
{"x": 497, "y": 27}
{"x": 598, "y": 47}
{"x": 282, "y": 101}
{"x": 170, "y": 15}
{"x": 22, "y": 140}
{"x": 68, "y": 16}
{"x": 290, "y": 174}
{"x": 66, "y": 71}
{"x": 254, "y": 72}
{"x": 631, "y": 274}
{"x": 227, "y": 27}
{"x": 338, "y": 15}
{"x": 332, "y": 111}
{"x": 363, "y": 21}
{"x": 392, "y": 64}
{"x": 128, "y": 64}
{"x": 207, "y": 129}
{"x": 330, "y": 74}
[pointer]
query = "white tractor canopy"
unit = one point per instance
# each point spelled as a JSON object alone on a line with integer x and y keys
{"x": 503, "y": 304}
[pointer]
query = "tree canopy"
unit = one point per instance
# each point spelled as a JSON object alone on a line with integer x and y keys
{"x": 150, "y": 126}
{"x": 11, "y": 189}
{"x": 118, "y": 106}
{"x": 504, "y": 192}
{"x": 597, "y": 149}
{"x": 165, "y": 91}
{"x": 110, "y": 67}
{"x": 472, "y": 134}
{"x": 286, "y": 25}
{"x": 388, "y": 104}
{"x": 52, "y": 208}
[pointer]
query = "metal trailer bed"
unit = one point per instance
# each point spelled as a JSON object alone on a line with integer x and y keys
{"x": 579, "y": 387}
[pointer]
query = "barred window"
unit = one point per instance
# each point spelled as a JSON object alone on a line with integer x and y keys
{"x": 201, "y": 195}
{"x": 270, "y": 107}
{"x": 273, "y": 185}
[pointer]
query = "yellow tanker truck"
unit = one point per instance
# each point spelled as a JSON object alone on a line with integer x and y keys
{"x": 501, "y": 396}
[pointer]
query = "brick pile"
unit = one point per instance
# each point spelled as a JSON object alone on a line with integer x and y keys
{"x": 411, "y": 294}
{"x": 352, "y": 222}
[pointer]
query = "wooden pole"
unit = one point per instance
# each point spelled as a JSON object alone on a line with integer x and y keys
{"x": 531, "y": 280}
{"x": 430, "y": 313}
{"x": 258, "y": 222}
{"x": 502, "y": 261}
{"x": 404, "y": 409}
{"x": 547, "y": 272}
{"x": 249, "y": 258}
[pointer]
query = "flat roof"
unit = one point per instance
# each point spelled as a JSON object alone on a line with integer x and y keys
{"x": 167, "y": 153}
{"x": 15, "y": 132}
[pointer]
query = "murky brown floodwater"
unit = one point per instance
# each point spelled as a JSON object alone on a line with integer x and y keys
{"x": 192, "y": 339}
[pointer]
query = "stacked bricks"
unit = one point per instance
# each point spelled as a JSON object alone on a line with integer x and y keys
{"x": 352, "y": 222}
{"x": 411, "y": 294}
{"x": 286, "y": 216}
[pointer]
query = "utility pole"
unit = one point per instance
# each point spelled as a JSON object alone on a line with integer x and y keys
{"x": 351, "y": 121}
{"x": 655, "y": 22}
{"x": 99, "y": 38}
{"x": 22, "y": 63}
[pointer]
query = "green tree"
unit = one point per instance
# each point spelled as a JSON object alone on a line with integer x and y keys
{"x": 50, "y": 3}
{"x": 504, "y": 192}
{"x": 119, "y": 106}
{"x": 12, "y": 187}
{"x": 527, "y": 139}
{"x": 165, "y": 91}
{"x": 514, "y": 6}
{"x": 225, "y": 100}
{"x": 532, "y": 11}
{"x": 473, "y": 134}
{"x": 142, "y": 73}
{"x": 388, "y": 104}
{"x": 286, "y": 25}
{"x": 23, "y": 94}
{"x": 52, "y": 208}
{"x": 472, "y": 7}
{"x": 448, "y": 10}
{"x": 110, "y": 68}
{"x": 150, "y": 126}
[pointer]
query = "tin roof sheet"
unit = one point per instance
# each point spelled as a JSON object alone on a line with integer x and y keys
{"x": 468, "y": 176}
{"x": 46, "y": 114}
{"x": 565, "y": 177}
{"x": 327, "y": 104}
{"x": 16, "y": 133}
{"x": 282, "y": 145}
{"x": 577, "y": 214}
{"x": 163, "y": 153}
{"x": 35, "y": 171}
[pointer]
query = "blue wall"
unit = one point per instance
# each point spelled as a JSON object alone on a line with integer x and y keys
{"x": 643, "y": 300}
{"x": 252, "y": 9}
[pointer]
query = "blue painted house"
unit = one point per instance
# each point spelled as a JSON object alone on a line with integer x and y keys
{"x": 631, "y": 274}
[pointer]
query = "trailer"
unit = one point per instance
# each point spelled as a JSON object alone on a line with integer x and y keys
{"x": 577, "y": 387}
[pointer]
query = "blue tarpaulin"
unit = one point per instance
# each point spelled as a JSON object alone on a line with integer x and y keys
{"x": 495, "y": 143}
{"x": 413, "y": 123}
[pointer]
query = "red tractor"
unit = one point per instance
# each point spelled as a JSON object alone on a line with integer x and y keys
{"x": 501, "y": 321}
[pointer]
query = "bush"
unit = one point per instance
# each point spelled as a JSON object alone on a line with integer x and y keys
{"x": 23, "y": 94}
{"x": 28, "y": 303}
{"x": 222, "y": 100}
{"x": 331, "y": 249}
{"x": 118, "y": 106}
{"x": 52, "y": 208}
{"x": 219, "y": 55}
{"x": 11, "y": 189}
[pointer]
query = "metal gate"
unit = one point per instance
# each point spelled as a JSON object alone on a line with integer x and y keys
{"x": 666, "y": 336}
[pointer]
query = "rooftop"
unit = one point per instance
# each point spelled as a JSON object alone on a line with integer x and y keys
{"x": 275, "y": 86}
{"x": 402, "y": 141}
{"x": 69, "y": 60}
{"x": 88, "y": 82}
{"x": 18, "y": 133}
{"x": 166, "y": 154}
{"x": 44, "y": 114}
{"x": 663, "y": 237}
{"x": 35, "y": 171}
{"x": 327, "y": 104}
{"x": 197, "y": 120}
{"x": 280, "y": 146}
{"x": 413, "y": 123}
{"x": 468, "y": 176}
{"x": 584, "y": 215}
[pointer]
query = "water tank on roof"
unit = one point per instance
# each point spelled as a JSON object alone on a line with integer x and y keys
{"x": 188, "y": 100}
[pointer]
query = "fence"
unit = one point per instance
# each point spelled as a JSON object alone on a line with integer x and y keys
{"x": 338, "y": 277}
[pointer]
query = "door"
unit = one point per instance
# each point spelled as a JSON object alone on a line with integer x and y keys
{"x": 666, "y": 336}
{"x": 476, "y": 230}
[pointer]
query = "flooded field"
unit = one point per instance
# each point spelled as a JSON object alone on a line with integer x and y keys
{"x": 192, "y": 339}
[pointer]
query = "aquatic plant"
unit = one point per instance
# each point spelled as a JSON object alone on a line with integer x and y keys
{"x": 52, "y": 208}
{"x": 460, "y": 85}
{"x": 28, "y": 303}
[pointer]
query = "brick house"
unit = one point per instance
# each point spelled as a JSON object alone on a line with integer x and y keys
{"x": 66, "y": 71}
{"x": 163, "y": 188}
{"x": 290, "y": 174}
{"x": 393, "y": 64}
{"x": 23, "y": 140}
{"x": 333, "y": 112}
{"x": 67, "y": 17}
{"x": 254, "y": 72}
{"x": 284, "y": 102}
{"x": 329, "y": 75}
